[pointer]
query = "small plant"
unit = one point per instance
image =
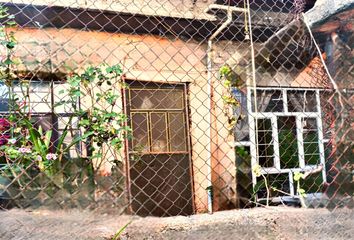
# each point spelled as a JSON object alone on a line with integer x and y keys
{"x": 120, "y": 231}
{"x": 231, "y": 79}
{"x": 8, "y": 41}
{"x": 302, "y": 194}
{"x": 257, "y": 170}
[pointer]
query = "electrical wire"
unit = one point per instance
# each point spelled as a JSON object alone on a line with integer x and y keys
{"x": 334, "y": 84}
{"x": 254, "y": 84}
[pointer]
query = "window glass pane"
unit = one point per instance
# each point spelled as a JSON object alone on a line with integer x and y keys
{"x": 43, "y": 121}
{"x": 60, "y": 94}
{"x": 40, "y": 107}
{"x": 240, "y": 112}
{"x": 177, "y": 132}
{"x": 39, "y": 94}
{"x": 302, "y": 101}
{"x": 265, "y": 143}
{"x": 268, "y": 101}
{"x": 4, "y": 106}
{"x": 140, "y": 132}
{"x": 277, "y": 181}
{"x": 312, "y": 183}
{"x": 64, "y": 121}
{"x": 244, "y": 174}
{"x": 156, "y": 99}
{"x": 311, "y": 150}
{"x": 158, "y": 132}
{"x": 288, "y": 144}
{"x": 4, "y": 98}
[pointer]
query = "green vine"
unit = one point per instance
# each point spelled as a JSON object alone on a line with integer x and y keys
{"x": 230, "y": 80}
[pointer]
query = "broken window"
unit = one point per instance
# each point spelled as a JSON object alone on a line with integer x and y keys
{"x": 241, "y": 114}
{"x": 301, "y": 101}
{"x": 268, "y": 101}
{"x": 286, "y": 135}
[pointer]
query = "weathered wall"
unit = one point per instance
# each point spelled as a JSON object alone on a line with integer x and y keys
{"x": 311, "y": 76}
{"x": 148, "y": 58}
{"x": 179, "y": 8}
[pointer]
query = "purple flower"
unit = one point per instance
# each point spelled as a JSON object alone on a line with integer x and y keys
{"x": 4, "y": 127}
{"x": 4, "y": 124}
{"x": 51, "y": 156}
{"x": 24, "y": 150}
{"x": 3, "y": 139}
{"x": 12, "y": 141}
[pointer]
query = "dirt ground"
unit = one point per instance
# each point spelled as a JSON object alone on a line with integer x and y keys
{"x": 259, "y": 223}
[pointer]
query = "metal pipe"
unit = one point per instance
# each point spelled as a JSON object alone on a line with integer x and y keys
{"x": 209, "y": 103}
{"x": 225, "y": 7}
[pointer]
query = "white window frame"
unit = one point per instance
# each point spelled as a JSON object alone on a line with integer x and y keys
{"x": 37, "y": 111}
{"x": 252, "y": 118}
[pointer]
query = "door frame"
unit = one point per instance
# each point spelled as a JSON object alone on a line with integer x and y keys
{"x": 125, "y": 98}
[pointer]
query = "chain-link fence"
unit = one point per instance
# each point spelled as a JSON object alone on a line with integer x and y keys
{"x": 176, "y": 107}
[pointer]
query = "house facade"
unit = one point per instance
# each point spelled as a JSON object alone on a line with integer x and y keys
{"x": 181, "y": 143}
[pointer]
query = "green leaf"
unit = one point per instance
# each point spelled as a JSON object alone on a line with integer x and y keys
{"x": 10, "y": 45}
{"x": 2, "y": 15}
{"x": 34, "y": 136}
{"x": 57, "y": 104}
{"x": 62, "y": 137}
{"x": 116, "y": 141}
{"x": 40, "y": 130}
{"x": 224, "y": 70}
{"x": 16, "y": 61}
{"x": 78, "y": 139}
{"x": 8, "y": 61}
{"x": 11, "y": 23}
{"x": 259, "y": 185}
{"x": 95, "y": 156}
{"x": 119, "y": 232}
{"x": 84, "y": 122}
{"x": 76, "y": 93}
{"x": 48, "y": 137}
{"x": 298, "y": 176}
{"x": 301, "y": 191}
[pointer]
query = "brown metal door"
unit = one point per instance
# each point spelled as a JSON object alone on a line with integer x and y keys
{"x": 159, "y": 153}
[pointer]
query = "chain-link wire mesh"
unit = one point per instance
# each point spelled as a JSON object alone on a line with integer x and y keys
{"x": 176, "y": 107}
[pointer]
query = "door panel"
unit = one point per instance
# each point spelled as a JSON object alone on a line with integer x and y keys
{"x": 160, "y": 167}
{"x": 160, "y": 185}
{"x": 158, "y": 132}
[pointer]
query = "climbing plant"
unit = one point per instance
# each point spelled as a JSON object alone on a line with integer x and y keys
{"x": 230, "y": 80}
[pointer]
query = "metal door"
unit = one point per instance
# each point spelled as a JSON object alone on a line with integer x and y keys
{"x": 159, "y": 152}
